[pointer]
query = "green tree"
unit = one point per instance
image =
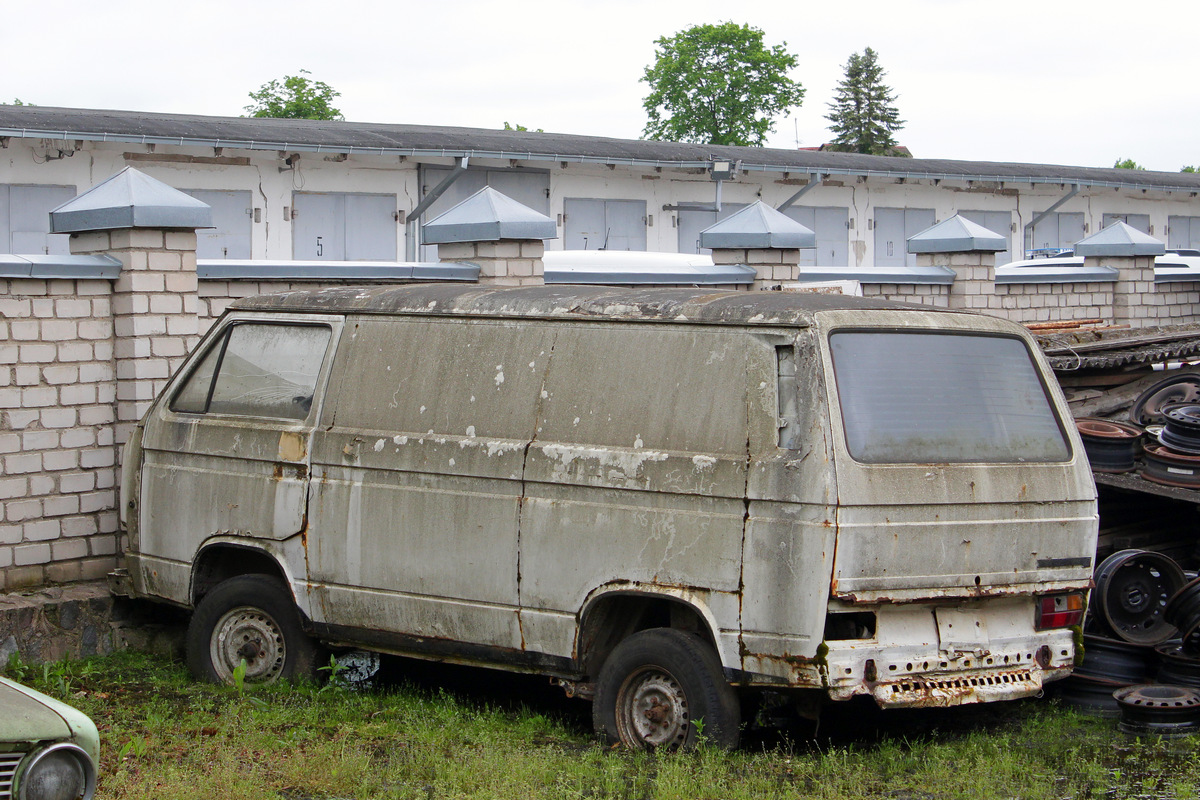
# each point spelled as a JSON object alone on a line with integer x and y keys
{"x": 718, "y": 84}
{"x": 1127, "y": 163}
{"x": 1189, "y": 169}
{"x": 19, "y": 102}
{"x": 296, "y": 97}
{"x": 863, "y": 116}
{"x": 508, "y": 127}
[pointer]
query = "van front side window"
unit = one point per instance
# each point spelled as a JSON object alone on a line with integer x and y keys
{"x": 257, "y": 370}
{"x": 922, "y": 398}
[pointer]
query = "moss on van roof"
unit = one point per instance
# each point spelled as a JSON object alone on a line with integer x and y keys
{"x": 571, "y": 302}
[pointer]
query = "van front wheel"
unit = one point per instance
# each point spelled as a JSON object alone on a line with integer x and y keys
{"x": 250, "y": 618}
{"x": 663, "y": 689}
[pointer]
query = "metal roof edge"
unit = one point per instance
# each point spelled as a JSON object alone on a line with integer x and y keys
{"x": 44, "y": 267}
{"x": 254, "y": 269}
{"x": 1062, "y": 273}
{"x": 905, "y": 275}
{"x": 1176, "y": 275}
{"x": 727, "y": 275}
{"x": 412, "y": 152}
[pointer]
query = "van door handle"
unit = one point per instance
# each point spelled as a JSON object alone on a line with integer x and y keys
{"x": 352, "y": 448}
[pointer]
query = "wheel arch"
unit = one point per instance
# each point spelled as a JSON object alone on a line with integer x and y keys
{"x": 613, "y": 613}
{"x": 220, "y": 560}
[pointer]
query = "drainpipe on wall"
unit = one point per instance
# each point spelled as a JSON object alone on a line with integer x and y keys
{"x": 412, "y": 222}
{"x": 1027, "y": 239}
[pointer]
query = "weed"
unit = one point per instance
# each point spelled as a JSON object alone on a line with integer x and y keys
{"x": 16, "y": 669}
{"x": 168, "y": 738}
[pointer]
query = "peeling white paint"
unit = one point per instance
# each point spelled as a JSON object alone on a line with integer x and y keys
{"x": 576, "y": 422}
{"x": 471, "y": 431}
{"x": 704, "y": 462}
{"x": 637, "y": 441}
{"x": 379, "y": 446}
{"x": 502, "y": 447}
{"x": 452, "y": 462}
{"x": 625, "y": 462}
{"x": 397, "y": 439}
{"x": 545, "y": 395}
{"x": 422, "y": 409}
{"x": 499, "y": 375}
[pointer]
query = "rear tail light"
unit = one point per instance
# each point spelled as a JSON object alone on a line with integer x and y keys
{"x": 1059, "y": 611}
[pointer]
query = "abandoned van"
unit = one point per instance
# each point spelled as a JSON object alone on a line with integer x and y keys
{"x": 663, "y": 499}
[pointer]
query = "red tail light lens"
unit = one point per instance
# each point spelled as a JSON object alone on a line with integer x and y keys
{"x": 1059, "y": 611}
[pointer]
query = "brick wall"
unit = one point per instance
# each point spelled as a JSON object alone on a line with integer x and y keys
{"x": 937, "y": 295}
{"x": 57, "y": 441}
{"x": 1181, "y": 301}
{"x": 1052, "y": 302}
{"x": 79, "y": 359}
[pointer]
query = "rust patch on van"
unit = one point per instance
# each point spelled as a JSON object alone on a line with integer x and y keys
{"x": 291, "y": 446}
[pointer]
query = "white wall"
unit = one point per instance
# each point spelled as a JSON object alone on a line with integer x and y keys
{"x": 23, "y": 161}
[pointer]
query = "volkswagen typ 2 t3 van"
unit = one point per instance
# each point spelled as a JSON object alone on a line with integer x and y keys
{"x": 664, "y": 499}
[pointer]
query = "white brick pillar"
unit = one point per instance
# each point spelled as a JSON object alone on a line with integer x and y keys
{"x": 513, "y": 262}
{"x": 1135, "y": 301}
{"x": 772, "y": 266}
{"x": 154, "y": 310}
{"x": 974, "y": 277}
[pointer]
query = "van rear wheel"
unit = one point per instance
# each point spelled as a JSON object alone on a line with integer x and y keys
{"x": 663, "y": 689}
{"x": 249, "y": 618}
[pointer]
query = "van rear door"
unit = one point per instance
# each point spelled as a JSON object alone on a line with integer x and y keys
{"x": 959, "y": 472}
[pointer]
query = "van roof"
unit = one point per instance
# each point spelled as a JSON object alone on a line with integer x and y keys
{"x": 791, "y": 309}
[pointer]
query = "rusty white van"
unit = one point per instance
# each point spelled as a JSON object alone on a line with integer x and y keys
{"x": 664, "y": 499}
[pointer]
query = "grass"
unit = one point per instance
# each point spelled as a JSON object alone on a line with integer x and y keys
{"x": 450, "y": 733}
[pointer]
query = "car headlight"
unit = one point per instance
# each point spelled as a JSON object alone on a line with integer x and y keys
{"x": 59, "y": 772}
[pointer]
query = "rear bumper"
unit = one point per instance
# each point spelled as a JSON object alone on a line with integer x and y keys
{"x": 922, "y": 676}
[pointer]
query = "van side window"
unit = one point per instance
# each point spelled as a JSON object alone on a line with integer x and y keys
{"x": 257, "y": 370}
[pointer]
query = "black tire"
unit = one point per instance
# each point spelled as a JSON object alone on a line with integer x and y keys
{"x": 663, "y": 689}
{"x": 251, "y": 617}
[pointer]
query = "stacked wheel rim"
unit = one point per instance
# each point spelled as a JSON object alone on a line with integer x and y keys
{"x": 1181, "y": 429}
{"x": 1178, "y": 666}
{"x": 1183, "y": 387}
{"x": 1159, "y": 709}
{"x": 1132, "y": 590}
{"x": 1183, "y": 611}
{"x": 1162, "y": 465}
{"x": 1110, "y": 446}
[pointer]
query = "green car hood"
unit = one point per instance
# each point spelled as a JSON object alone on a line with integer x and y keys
{"x": 31, "y": 716}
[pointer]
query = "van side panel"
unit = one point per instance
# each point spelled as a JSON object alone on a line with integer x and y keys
{"x": 637, "y": 476}
{"x": 417, "y": 477}
{"x": 791, "y": 532}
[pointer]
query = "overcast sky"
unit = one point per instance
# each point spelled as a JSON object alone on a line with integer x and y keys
{"x": 1049, "y": 82}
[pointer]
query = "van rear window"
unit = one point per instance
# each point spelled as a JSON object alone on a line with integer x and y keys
{"x": 942, "y": 397}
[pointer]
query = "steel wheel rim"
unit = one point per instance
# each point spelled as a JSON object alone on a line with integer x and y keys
{"x": 1133, "y": 587}
{"x": 1148, "y": 408}
{"x": 652, "y": 710}
{"x": 251, "y": 634}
